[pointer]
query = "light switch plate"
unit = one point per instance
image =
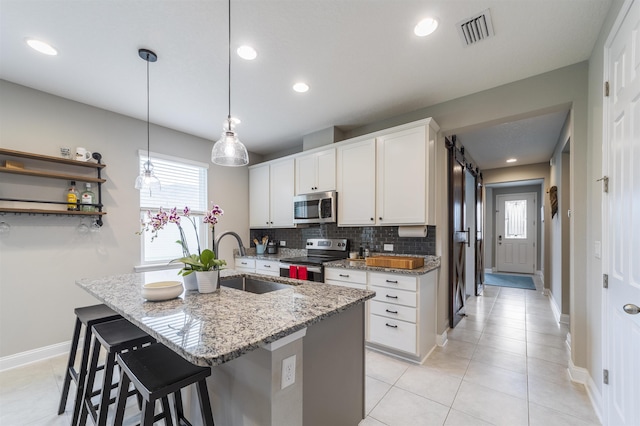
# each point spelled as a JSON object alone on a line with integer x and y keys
{"x": 597, "y": 249}
{"x": 283, "y": 243}
{"x": 388, "y": 247}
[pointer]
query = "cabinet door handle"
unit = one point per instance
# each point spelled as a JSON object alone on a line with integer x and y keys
{"x": 371, "y": 218}
{"x": 344, "y": 275}
{"x": 391, "y": 312}
{"x": 391, "y": 297}
{"x": 390, "y": 325}
{"x": 392, "y": 281}
{"x": 380, "y": 218}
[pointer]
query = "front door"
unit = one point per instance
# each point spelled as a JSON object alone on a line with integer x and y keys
{"x": 516, "y": 233}
{"x": 621, "y": 227}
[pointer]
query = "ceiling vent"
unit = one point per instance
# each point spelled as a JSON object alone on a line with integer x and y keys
{"x": 476, "y": 28}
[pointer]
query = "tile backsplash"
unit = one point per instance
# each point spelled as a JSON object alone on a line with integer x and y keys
{"x": 373, "y": 236}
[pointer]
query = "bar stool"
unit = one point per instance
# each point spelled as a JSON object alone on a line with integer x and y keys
{"x": 156, "y": 371}
{"x": 87, "y": 316}
{"x": 115, "y": 337}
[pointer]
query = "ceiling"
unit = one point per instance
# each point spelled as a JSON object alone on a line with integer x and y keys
{"x": 360, "y": 58}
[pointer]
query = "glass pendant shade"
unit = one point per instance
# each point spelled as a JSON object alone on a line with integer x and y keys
{"x": 229, "y": 151}
{"x": 147, "y": 181}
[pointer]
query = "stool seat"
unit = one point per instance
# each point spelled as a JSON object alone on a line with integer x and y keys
{"x": 156, "y": 371}
{"x": 115, "y": 337}
{"x": 86, "y": 316}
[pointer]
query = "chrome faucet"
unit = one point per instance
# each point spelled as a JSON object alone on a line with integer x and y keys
{"x": 216, "y": 243}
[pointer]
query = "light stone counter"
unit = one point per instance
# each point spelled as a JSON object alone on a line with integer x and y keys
{"x": 430, "y": 263}
{"x": 211, "y": 329}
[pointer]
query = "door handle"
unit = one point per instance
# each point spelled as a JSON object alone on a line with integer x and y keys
{"x": 631, "y": 309}
{"x": 468, "y": 231}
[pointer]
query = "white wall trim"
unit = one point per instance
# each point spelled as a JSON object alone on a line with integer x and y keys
{"x": 441, "y": 339}
{"x": 582, "y": 376}
{"x": 554, "y": 307}
{"x": 488, "y": 270}
{"x": 40, "y": 354}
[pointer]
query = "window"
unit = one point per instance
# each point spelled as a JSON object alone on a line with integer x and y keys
{"x": 515, "y": 219}
{"x": 184, "y": 183}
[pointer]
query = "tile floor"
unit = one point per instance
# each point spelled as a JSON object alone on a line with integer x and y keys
{"x": 505, "y": 364}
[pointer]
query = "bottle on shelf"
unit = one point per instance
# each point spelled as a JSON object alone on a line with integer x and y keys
{"x": 72, "y": 197}
{"x": 87, "y": 199}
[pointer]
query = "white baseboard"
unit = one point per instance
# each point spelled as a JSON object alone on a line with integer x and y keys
{"x": 554, "y": 307}
{"x": 582, "y": 376}
{"x": 35, "y": 355}
{"x": 488, "y": 270}
{"x": 565, "y": 319}
{"x": 441, "y": 339}
{"x": 540, "y": 274}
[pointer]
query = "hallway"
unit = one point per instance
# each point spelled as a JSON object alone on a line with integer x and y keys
{"x": 504, "y": 364}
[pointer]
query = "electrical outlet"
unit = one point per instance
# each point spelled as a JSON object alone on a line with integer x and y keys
{"x": 288, "y": 371}
{"x": 283, "y": 243}
{"x": 388, "y": 247}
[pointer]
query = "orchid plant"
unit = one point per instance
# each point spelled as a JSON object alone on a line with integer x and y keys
{"x": 204, "y": 260}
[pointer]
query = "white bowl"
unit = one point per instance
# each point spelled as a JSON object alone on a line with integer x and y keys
{"x": 162, "y": 290}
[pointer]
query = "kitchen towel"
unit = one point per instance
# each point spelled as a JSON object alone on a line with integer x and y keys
{"x": 302, "y": 272}
{"x": 293, "y": 272}
{"x": 412, "y": 231}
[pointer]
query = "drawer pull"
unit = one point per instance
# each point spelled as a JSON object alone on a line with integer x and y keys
{"x": 391, "y": 312}
{"x": 267, "y": 266}
{"x": 392, "y": 281}
{"x": 391, "y": 297}
{"x": 344, "y": 275}
{"x": 244, "y": 263}
{"x": 390, "y": 325}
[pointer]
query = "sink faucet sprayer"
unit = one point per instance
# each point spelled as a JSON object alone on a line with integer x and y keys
{"x": 216, "y": 243}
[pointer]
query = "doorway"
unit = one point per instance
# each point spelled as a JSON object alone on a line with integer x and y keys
{"x": 516, "y": 233}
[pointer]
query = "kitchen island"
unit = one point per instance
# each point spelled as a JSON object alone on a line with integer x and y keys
{"x": 245, "y": 337}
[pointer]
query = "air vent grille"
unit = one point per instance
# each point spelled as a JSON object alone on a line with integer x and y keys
{"x": 476, "y": 28}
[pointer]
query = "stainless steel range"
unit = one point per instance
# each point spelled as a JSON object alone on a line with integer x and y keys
{"x": 309, "y": 267}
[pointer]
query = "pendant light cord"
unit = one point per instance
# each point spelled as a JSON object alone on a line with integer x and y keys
{"x": 148, "y": 144}
{"x": 229, "y": 68}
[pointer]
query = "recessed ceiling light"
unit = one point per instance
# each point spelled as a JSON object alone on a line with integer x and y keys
{"x": 426, "y": 27}
{"x": 247, "y": 52}
{"x": 511, "y": 160}
{"x": 301, "y": 87}
{"x": 41, "y": 47}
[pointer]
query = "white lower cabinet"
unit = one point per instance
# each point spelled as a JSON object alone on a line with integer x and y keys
{"x": 268, "y": 267}
{"x": 346, "y": 277}
{"x": 245, "y": 265}
{"x": 402, "y": 315}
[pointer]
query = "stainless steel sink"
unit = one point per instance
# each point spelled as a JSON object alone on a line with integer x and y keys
{"x": 252, "y": 285}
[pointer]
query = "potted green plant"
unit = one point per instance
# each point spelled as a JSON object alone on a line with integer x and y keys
{"x": 204, "y": 260}
{"x": 206, "y": 268}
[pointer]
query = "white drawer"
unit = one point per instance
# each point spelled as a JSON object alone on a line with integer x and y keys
{"x": 346, "y": 284}
{"x": 267, "y": 266}
{"x": 402, "y": 282}
{"x": 392, "y": 333}
{"x": 347, "y": 275}
{"x": 244, "y": 263}
{"x": 390, "y": 310}
{"x": 390, "y": 295}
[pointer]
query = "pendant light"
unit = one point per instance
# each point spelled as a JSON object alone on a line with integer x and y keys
{"x": 229, "y": 151}
{"x": 147, "y": 181}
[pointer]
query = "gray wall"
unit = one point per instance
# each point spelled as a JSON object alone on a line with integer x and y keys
{"x": 43, "y": 256}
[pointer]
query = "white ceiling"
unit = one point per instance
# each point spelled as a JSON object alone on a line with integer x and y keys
{"x": 360, "y": 58}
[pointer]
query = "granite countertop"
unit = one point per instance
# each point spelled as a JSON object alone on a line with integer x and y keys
{"x": 210, "y": 329}
{"x": 430, "y": 263}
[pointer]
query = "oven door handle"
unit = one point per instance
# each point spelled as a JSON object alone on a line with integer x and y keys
{"x": 314, "y": 269}
{"x": 320, "y": 209}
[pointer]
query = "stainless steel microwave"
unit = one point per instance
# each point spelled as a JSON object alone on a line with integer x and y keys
{"x": 319, "y": 207}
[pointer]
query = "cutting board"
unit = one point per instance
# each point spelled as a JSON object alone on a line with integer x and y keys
{"x": 399, "y": 262}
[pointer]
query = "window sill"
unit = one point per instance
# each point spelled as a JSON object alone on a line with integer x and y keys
{"x": 156, "y": 267}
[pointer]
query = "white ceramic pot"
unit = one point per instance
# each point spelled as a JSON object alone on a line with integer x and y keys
{"x": 207, "y": 281}
{"x": 190, "y": 281}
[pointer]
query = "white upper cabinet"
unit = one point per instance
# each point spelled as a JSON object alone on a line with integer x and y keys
{"x": 401, "y": 179}
{"x": 388, "y": 180}
{"x": 356, "y": 176}
{"x": 316, "y": 172}
{"x": 271, "y": 189}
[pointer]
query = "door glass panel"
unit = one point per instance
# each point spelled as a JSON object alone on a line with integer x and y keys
{"x": 515, "y": 219}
